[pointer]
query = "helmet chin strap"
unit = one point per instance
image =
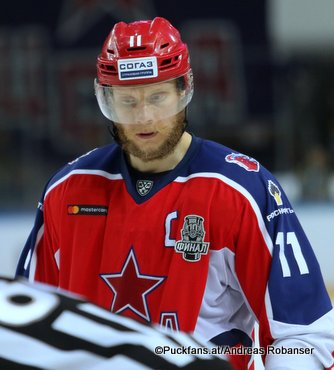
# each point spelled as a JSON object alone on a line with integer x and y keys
{"x": 185, "y": 118}
{"x": 114, "y": 132}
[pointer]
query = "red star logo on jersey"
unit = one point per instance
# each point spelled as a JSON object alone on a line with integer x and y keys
{"x": 131, "y": 288}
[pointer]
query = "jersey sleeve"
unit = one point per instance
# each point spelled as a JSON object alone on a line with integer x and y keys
{"x": 280, "y": 277}
{"x": 39, "y": 258}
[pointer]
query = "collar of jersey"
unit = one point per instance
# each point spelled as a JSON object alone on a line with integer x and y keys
{"x": 160, "y": 181}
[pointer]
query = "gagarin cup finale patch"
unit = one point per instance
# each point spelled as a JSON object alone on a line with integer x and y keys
{"x": 192, "y": 244}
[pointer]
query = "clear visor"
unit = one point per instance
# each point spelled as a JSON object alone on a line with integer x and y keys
{"x": 144, "y": 103}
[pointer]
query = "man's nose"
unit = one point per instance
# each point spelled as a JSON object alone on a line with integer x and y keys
{"x": 144, "y": 113}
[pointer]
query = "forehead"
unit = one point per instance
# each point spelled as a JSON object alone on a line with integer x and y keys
{"x": 146, "y": 89}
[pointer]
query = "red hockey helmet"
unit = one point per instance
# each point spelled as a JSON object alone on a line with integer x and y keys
{"x": 137, "y": 57}
{"x": 142, "y": 52}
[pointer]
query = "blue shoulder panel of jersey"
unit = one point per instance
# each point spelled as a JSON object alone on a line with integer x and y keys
{"x": 106, "y": 158}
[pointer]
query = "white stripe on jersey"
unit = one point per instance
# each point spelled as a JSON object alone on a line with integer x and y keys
{"x": 33, "y": 256}
{"x": 105, "y": 174}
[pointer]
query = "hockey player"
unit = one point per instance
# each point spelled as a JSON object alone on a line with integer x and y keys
{"x": 166, "y": 227}
{"x": 44, "y": 328}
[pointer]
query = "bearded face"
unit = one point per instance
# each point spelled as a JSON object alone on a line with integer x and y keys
{"x": 152, "y": 140}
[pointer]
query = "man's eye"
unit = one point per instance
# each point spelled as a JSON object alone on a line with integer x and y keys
{"x": 158, "y": 97}
{"x": 128, "y": 101}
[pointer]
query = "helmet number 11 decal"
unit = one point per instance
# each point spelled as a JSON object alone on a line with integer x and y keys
{"x": 132, "y": 41}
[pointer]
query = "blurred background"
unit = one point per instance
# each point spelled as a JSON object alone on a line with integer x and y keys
{"x": 264, "y": 85}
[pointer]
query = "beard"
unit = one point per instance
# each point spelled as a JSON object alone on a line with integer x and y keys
{"x": 167, "y": 147}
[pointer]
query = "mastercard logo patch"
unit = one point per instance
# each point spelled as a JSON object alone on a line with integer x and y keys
{"x": 86, "y": 209}
{"x": 73, "y": 210}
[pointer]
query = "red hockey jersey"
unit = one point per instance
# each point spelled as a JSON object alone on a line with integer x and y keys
{"x": 211, "y": 247}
